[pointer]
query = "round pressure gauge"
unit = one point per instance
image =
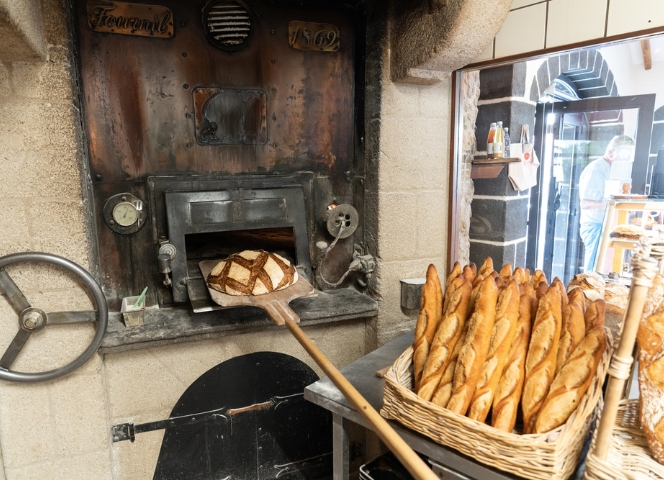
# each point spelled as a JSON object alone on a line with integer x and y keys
{"x": 124, "y": 213}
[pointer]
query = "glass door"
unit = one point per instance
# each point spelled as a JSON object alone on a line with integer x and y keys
{"x": 567, "y": 207}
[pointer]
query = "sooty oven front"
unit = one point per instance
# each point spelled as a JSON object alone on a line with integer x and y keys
{"x": 214, "y": 126}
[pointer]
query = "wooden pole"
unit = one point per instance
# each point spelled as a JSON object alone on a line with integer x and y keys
{"x": 408, "y": 458}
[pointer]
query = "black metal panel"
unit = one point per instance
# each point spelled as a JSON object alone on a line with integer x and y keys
{"x": 265, "y": 428}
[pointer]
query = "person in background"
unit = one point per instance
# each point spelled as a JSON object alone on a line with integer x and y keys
{"x": 591, "y": 193}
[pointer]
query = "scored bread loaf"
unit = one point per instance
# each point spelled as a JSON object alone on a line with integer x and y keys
{"x": 542, "y": 288}
{"x": 591, "y": 283}
{"x": 561, "y": 289}
{"x": 542, "y": 356}
{"x": 502, "y": 336}
{"x": 537, "y": 278}
{"x": 650, "y": 355}
{"x": 446, "y": 338}
{"x": 534, "y": 301}
{"x": 508, "y": 392}
{"x": 475, "y": 347}
{"x": 520, "y": 275}
{"x": 252, "y": 272}
{"x": 577, "y": 296}
{"x": 572, "y": 332}
{"x": 655, "y": 297}
{"x": 505, "y": 273}
{"x": 572, "y": 382}
{"x": 431, "y": 311}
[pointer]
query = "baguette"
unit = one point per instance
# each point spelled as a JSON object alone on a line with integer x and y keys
{"x": 486, "y": 268}
{"x": 655, "y": 297}
{"x": 446, "y": 338}
{"x": 561, "y": 289}
{"x": 573, "y": 331}
{"x": 542, "y": 288}
{"x": 454, "y": 273}
{"x": 534, "y": 301}
{"x": 537, "y": 278}
{"x": 594, "y": 315}
{"x": 443, "y": 392}
{"x": 475, "y": 347}
{"x": 526, "y": 272}
{"x": 520, "y": 275}
{"x": 572, "y": 382}
{"x": 470, "y": 272}
{"x": 650, "y": 352}
{"x": 510, "y": 386}
{"x": 431, "y": 311}
{"x": 502, "y": 336}
{"x": 477, "y": 283}
{"x": 577, "y": 296}
{"x": 505, "y": 273}
{"x": 542, "y": 356}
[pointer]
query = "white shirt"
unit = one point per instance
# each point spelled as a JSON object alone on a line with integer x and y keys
{"x": 591, "y": 187}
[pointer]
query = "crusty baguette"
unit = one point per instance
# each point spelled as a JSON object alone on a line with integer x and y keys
{"x": 477, "y": 283}
{"x": 561, "y": 288}
{"x": 537, "y": 278}
{"x": 526, "y": 272}
{"x": 508, "y": 392}
{"x": 542, "y": 288}
{"x": 572, "y": 332}
{"x": 577, "y": 296}
{"x": 572, "y": 382}
{"x": 475, "y": 347}
{"x": 486, "y": 268}
{"x": 520, "y": 275}
{"x": 542, "y": 356}
{"x": 594, "y": 315}
{"x": 446, "y": 338}
{"x": 470, "y": 272}
{"x": 454, "y": 273}
{"x": 650, "y": 354}
{"x": 534, "y": 301}
{"x": 507, "y": 316}
{"x": 431, "y": 312}
{"x": 444, "y": 389}
{"x": 505, "y": 273}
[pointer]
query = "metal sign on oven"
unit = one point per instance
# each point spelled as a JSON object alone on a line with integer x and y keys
{"x": 322, "y": 37}
{"x": 130, "y": 19}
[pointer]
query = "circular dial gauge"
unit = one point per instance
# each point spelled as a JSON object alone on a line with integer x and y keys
{"x": 125, "y": 214}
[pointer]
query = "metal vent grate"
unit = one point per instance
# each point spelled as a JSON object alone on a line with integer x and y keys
{"x": 227, "y": 24}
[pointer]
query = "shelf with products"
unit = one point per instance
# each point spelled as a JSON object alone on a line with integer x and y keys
{"x": 616, "y": 214}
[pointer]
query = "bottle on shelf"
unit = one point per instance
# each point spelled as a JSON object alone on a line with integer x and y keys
{"x": 508, "y": 142}
{"x": 490, "y": 140}
{"x": 499, "y": 141}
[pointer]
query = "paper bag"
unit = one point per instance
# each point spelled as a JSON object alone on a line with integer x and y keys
{"x": 523, "y": 174}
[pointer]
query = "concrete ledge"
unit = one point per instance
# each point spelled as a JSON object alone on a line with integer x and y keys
{"x": 177, "y": 325}
{"x": 21, "y": 31}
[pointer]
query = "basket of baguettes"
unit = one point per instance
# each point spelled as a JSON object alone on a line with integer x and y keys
{"x": 506, "y": 369}
{"x": 629, "y": 442}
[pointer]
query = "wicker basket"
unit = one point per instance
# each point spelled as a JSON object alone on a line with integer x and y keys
{"x": 552, "y": 455}
{"x": 629, "y": 457}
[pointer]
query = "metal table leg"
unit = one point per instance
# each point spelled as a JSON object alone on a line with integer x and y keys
{"x": 340, "y": 456}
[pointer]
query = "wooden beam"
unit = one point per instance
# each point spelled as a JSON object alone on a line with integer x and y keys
{"x": 647, "y": 58}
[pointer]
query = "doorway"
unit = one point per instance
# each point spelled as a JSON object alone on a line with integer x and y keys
{"x": 569, "y": 135}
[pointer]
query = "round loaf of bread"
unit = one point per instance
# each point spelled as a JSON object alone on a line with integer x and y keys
{"x": 252, "y": 272}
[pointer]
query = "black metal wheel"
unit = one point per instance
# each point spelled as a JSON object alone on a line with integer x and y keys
{"x": 32, "y": 319}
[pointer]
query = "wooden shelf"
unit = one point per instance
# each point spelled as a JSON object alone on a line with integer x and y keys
{"x": 483, "y": 167}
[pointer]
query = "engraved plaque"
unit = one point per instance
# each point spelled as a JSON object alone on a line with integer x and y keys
{"x": 322, "y": 37}
{"x": 130, "y": 19}
{"x": 230, "y": 116}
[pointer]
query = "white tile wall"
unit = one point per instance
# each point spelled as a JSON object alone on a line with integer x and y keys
{"x": 633, "y": 15}
{"x": 571, "y": 21}
{"x": 523, "y": 31}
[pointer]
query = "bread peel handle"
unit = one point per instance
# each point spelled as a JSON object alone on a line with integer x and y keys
{"x": 281, "y": 312}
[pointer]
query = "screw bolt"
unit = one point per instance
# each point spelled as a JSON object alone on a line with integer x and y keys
{"x": 32, "y": 320}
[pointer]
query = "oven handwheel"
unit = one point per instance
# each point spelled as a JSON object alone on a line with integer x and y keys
{"x": 32, "y": 319}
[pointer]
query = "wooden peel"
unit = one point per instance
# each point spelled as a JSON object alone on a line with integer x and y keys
{"x": 276, "y": 306}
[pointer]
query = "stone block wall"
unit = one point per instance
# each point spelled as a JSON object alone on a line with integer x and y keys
{"x": 499, "y": 223}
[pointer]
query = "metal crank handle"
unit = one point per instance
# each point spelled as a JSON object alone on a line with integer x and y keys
{"x": 408, "y": 458}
